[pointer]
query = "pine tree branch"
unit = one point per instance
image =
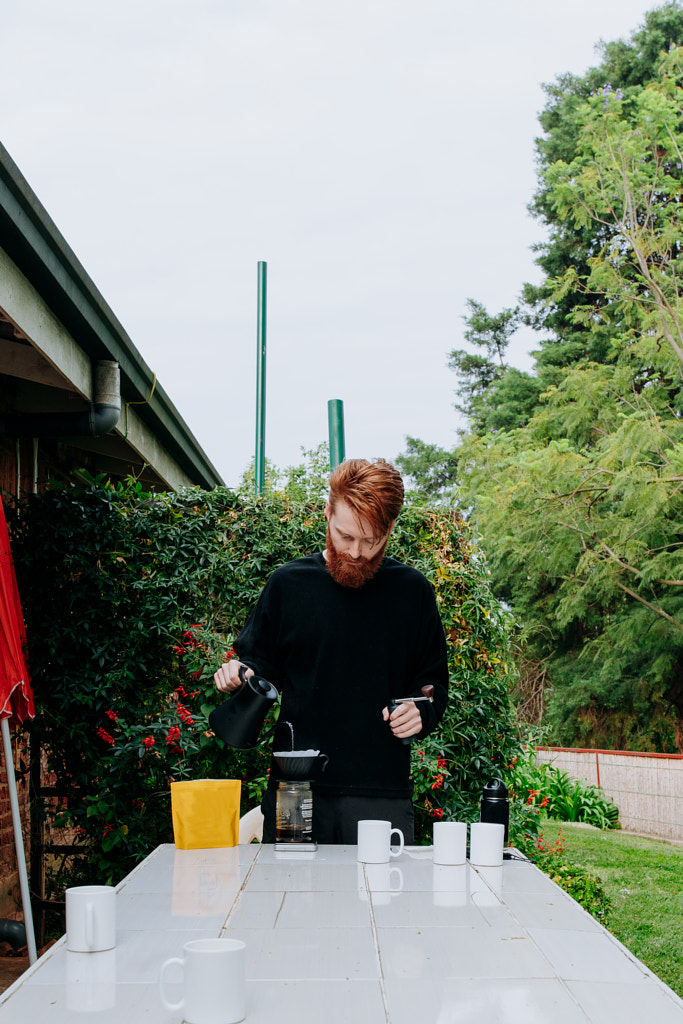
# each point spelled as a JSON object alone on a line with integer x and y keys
{"x": 652, "y": 607}
{"x": 637, "y": 572}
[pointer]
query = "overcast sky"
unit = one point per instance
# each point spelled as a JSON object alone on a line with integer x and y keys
{"x": 378, "y": 155}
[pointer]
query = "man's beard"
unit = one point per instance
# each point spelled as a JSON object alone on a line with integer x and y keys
{"x": 351, "y": 574}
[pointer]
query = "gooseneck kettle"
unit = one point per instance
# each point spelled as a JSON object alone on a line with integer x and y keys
{"x": 239, "y": 721}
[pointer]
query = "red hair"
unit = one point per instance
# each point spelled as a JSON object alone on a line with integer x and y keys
{"x": 372, "y": 490}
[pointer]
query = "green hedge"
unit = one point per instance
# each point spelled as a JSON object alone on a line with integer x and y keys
{"x": 131, "y": 602}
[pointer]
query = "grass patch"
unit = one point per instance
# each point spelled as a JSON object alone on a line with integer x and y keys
{"x": 644, "y": 880}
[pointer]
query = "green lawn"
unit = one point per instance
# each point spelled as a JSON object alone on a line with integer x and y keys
{"x": 644, "y": 880}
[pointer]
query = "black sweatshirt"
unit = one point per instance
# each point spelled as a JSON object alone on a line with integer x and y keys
{"x": 338, "y": 655}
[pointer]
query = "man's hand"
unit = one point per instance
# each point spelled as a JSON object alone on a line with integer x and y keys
{"x": 227, "y": 678}
{"x": 405, "y": 720}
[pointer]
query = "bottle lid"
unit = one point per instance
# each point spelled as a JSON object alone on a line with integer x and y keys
{"x": 495, "y": 790}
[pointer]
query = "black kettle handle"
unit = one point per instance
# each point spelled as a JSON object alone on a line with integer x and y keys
{"x": 258, "y": 685}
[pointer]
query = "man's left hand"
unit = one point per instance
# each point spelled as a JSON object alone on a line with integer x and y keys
{"x": 405, "y": 720}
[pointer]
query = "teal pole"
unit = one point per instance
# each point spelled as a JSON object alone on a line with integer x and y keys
{"x": 260, "y": 454}
{"x": 335, "y": 419}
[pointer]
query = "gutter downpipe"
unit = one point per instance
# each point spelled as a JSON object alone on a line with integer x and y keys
{"x": 98, "y": 419}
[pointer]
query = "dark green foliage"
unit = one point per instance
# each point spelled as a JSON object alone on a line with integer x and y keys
{"x": 306, "y": 481}
{"x": 626, "y": 65}
{"x": 584, "y": 542}
{"x": 489, "y": 394}
{"x": 493, "y": 395}
{"x": 131, "y": 603}
{"x": 431, "y": 469}
{"x": 510, "y": 402}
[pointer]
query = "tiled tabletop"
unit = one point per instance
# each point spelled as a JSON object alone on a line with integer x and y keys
{"x": 331, "y": 941}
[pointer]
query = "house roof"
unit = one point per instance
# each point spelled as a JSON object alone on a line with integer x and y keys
{"x": 55, "y": 324}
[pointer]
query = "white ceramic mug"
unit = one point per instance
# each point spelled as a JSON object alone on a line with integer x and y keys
{"x": 90, "y": 918}
{"x": 214, "y": 987}
{"x": 486, "y": 843}
{"x": 374, "y": 841}
{"x": 450, "y": 842}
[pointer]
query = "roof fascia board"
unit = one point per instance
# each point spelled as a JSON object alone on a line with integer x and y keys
{"x": 24, "y": 306}
{"x": 138, "y": 435}
{"x": 32, "y": 241}
{"x": 33, "y": 317}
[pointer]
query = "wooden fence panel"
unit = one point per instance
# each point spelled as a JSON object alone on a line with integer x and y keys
{"x": 647, "y": 788}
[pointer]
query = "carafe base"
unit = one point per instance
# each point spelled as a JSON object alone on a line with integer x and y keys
{"x": 294, "y": 846}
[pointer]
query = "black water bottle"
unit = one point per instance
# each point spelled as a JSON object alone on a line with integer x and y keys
{"x": 495, "y": 806}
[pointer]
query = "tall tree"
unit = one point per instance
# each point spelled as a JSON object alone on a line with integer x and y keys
{"x": 493, "y": 395}
{"x": 581, "y": 510}
{"x": 573, "y": 473}
{"x": 626, "y": 178}
{"x": 625, "y": 68}
{"x": 506, "y": 398}
{"x": 584, "y": 538}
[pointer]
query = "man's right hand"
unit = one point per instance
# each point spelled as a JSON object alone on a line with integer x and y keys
{"x": 227, "y": 678}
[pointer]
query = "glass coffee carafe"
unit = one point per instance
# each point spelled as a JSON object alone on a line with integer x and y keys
{"x": 294, "y": 799}
{"x": 294, "y": 812}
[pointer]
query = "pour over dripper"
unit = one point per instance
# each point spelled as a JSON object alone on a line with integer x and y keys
{"x": 297, "y": 764}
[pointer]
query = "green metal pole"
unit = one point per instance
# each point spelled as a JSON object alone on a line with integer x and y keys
{"x": 260, "y": 455}
{"x": 335, "y": 419}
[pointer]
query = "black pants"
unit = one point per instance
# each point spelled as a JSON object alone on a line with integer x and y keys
{"x": 335, "y": 818}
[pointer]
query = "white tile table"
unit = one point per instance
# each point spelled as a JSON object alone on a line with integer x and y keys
{"x": 330, "y": 941}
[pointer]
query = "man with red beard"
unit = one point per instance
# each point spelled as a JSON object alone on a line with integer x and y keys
{"x": 341, "y": 633}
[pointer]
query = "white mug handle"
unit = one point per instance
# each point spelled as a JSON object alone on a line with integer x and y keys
{"x": 89, "y": 925}
{"x": 397, "y": 831}
{"x": 167, "y": 963}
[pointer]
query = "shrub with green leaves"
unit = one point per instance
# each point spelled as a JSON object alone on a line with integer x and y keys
{"x": 585, "y": 888}
{"x": 575, "y": 800}
{"x": 549, "y": 789}
{"x": 131, "y": 603}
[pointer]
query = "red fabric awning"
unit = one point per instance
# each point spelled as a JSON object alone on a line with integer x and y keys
{"x": 16, "y": 694}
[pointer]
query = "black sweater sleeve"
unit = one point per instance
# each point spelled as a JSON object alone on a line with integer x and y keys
{"x": 432, "y": 667}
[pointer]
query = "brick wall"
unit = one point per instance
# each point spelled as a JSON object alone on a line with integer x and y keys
{"x": 647, "y": 788}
